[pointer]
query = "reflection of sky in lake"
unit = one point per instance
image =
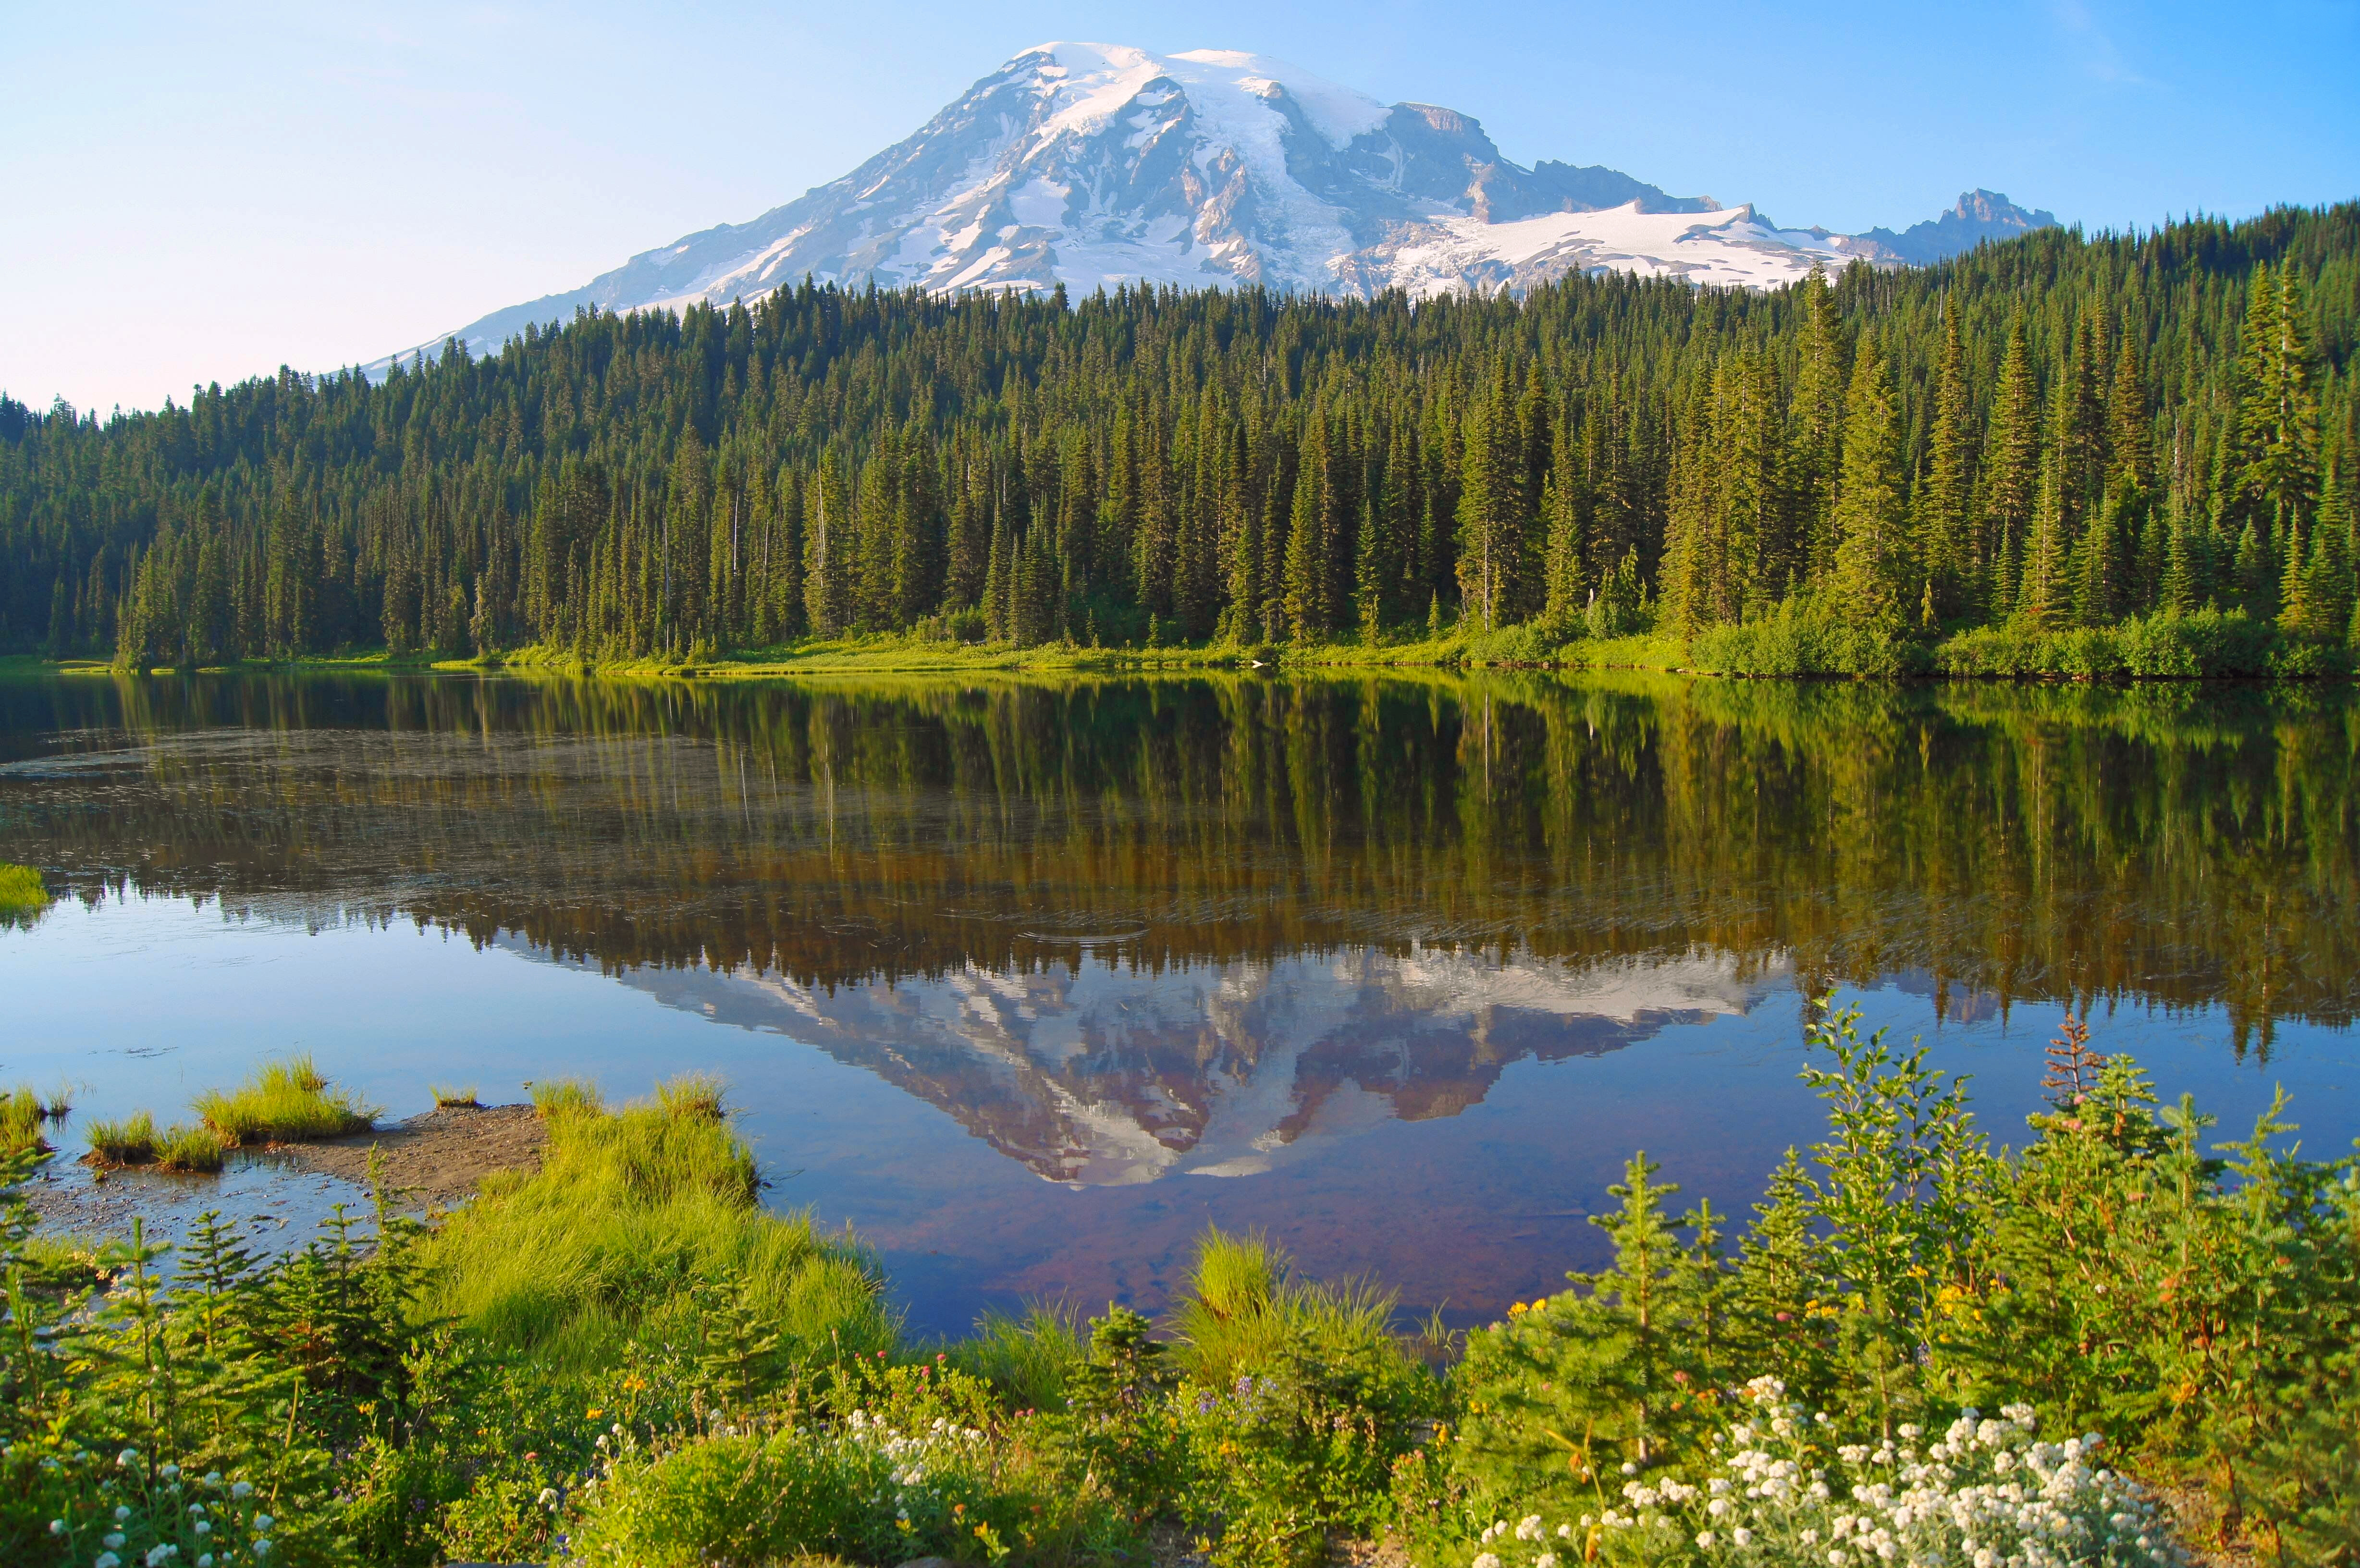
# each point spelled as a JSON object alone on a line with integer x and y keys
{"x": 1029, "y": 981}
{"x": 1439, "y": 1118}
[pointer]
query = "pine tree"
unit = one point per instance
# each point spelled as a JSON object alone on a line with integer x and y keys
{"x": 1816, "y": 447}
{"x": 2013, "y": 473}
{"x": 2278, "y": 411}
{"x": 1947, "y": 536}
{"x": 1874, "y": 569}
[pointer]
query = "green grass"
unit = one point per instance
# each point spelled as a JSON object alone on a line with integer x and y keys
{"x": 554, "y": 1099}
{"x": 131, "y": 1141}
{"x": 20, "y": 1123}
{"x": 189, "y": 1148}
{"x": 23, "y": 894}
{"x": 449, "y": 1097}
{"x": 283, "y": 1102}
{"x": 1246, "y": 1307}
{"x": 1027, "y": 1359}
{"x": 629, "y": 1215}
{"x": 692, "y": 1094}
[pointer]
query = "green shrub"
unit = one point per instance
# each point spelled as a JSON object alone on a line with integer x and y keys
{"x": 906, "y": 1463}
{"x": 283, "y": 1102}
{"x": 1802, "y": 636}
{"x": 1298, "y": 1401}
{"x": 450, "y": 1097}
{"x": 131, "y": 1141}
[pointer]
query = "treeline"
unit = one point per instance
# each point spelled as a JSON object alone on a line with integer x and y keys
{"x": 2051, "y": 432}
{"x": 2154, "y": 847}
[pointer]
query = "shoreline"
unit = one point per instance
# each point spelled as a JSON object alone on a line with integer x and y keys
{"x": 889, "y": 656}
{"x": 432, "y": 1160}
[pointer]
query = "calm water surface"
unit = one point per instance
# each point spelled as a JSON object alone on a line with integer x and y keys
{"x": 1028, "y": 983}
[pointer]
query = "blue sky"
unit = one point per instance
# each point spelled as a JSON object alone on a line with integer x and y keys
{"x": 201, "y": 192}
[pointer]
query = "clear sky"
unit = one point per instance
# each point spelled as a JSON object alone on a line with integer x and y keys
{"x": 201, "y": 192}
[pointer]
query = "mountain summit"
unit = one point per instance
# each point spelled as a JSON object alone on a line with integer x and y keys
{"x": 1096, "y": 164}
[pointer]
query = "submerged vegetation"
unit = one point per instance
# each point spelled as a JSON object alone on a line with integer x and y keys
{"x": 623, "y": 1358}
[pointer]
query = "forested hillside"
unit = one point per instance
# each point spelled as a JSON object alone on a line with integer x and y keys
{"x": 2050, "y": 432}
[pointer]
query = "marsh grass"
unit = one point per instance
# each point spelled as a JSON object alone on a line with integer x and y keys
{"x": 448, "y": 1098}
{"x": 283, "y": 1102}
{"x": 629, "y": 1215}
{"x": 189, "y": 1148}
{"x": 59, "y": 1106}
{"x": 131, "y": 1141}
{"x": 22, "y": 893}
{"x": 554, "y": 1099}
{"x": 21, "y": 1115}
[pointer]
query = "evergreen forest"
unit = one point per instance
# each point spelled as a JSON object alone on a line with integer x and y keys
{"x": 2054, "y": 433}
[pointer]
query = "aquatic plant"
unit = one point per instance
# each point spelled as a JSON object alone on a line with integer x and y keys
{"x": 282, "y": 1102}
{"x": 23, "y": 896}
{"x": 20, "y": 1123}
{"x": 451, "y": 1097}
{"x": 130, "y": 1141}
{"x": 188, "y": 1148}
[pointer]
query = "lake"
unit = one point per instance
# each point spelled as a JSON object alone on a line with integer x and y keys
{"x": 1028, "y": 982}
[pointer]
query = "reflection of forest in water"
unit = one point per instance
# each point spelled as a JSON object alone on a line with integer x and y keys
{"x": 2177, "y": 844}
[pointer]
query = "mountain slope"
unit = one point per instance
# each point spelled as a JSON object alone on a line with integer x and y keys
{"x": 1088, "y": 166}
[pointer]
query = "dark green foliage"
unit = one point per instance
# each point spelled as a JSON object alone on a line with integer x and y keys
{"x": 1625, "y": 1366}
{"x": 2036, "y": 429}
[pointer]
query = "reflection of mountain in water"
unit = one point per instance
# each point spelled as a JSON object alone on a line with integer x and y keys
{"x": 1102, "y": 1073}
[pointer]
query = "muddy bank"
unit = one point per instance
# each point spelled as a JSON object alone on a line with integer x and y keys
{"x": 435, "y": 1158}
{"x": 280, "y": 1194}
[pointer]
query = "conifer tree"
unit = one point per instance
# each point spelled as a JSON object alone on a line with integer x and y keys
{"x": 1873, "y": 568}
{"x": 2013, "y": 473}
{"x": 1816, "y": 448}
{"x": 1947, "y": 542}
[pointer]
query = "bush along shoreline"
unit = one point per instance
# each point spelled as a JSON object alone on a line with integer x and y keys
{"x": 1920, "y": 1348}
{"x": 1803, "y": 636}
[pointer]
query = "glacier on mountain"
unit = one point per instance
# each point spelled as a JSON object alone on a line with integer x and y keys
{"x": 1081, "y": 167}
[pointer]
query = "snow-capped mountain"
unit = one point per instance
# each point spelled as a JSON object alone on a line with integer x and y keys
{"x": 1100, "y": 1075}
{"x": 1096, "y": 164}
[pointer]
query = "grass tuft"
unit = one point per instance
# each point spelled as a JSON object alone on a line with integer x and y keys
{"x": 20, "y": 1123}
{"x": 628, "y": 1215}
{"x": 1246, "y": 1307}
{"x": 22, "y": 894}
{"x": 449, "y": 1098}
{"x": 59, "y": 1105}
{"x": 554, "y": 1099}
{"x": 190, "y": 1148}
{"x": 1027, "y": 1359}
{"x": 283, "y": 1102}
{"x": 131, "y": 1141}
{"x": 693, "y": 1095}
